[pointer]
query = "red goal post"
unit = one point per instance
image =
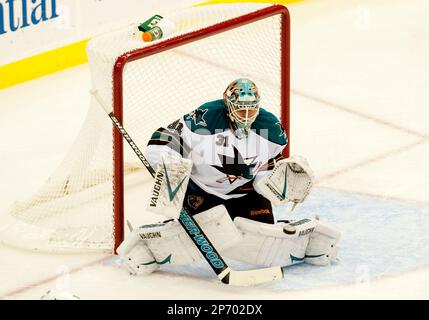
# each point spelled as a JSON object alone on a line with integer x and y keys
{"x": 181, "y": 40}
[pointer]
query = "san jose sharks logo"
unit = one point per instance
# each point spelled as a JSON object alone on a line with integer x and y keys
{"x": 198, "y": 117}
{"x": 195, "y": 201}
{"x": 236, "y": 167}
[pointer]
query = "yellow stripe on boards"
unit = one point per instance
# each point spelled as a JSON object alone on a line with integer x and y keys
{"x": 43, "y": 64}
{"x": 284, "y": 2}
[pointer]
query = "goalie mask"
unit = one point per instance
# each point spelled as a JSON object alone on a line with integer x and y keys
{"x": 241, "y": 99}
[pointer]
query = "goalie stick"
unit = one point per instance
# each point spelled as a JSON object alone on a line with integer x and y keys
{"x": 209, "y": 252}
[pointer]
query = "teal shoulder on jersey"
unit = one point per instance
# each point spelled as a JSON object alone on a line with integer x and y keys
{"x": 210, "y": 118}
{"x": 268, "y": 126}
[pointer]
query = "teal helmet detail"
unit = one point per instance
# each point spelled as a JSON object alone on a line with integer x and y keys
{"x": 241, "y": 99}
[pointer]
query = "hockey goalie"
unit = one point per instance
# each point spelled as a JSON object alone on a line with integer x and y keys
{"x": 222, "y": 162}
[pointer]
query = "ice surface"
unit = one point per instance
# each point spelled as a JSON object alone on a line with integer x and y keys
{"x": 359, "y": 113}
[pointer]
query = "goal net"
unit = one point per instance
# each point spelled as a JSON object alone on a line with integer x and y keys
{"x": 83, "y": 204}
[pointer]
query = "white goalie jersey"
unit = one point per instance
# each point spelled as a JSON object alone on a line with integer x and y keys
{"x": 223, "y": 165}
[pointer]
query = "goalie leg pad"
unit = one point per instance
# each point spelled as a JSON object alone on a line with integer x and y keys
{"x": 137, "y": 257}
{"x": 300, "y": 179}
{"x": 280, "y": 244}
{"x": 322, "y": 247}
{"x": 170, "y": 241}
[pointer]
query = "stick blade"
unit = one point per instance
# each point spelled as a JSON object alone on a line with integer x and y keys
{"x": 254, "y": 277}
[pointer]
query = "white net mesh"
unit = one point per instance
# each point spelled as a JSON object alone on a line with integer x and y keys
{"x": 73, "y": 211}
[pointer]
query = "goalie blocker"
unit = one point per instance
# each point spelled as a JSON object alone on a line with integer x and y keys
{"x": 170, "y": 184}
{"x": 284, "y": 243}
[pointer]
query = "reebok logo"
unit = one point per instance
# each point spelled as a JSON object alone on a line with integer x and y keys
{"x": 258, "y": 212}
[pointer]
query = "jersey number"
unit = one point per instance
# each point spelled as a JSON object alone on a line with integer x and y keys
{"x": 222, "y": 141}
